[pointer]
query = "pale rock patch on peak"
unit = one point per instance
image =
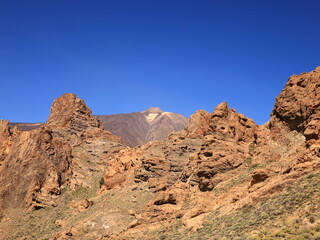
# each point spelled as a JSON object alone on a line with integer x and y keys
{"x": 151, "y": 116}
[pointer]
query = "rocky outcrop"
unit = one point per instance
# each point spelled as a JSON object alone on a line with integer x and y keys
{"x": 45, "y": 162}
{"x": 227, "y": 124}
{"x": 4, "y": 130}
{"x": 298, "y": 104}
{"x": 197, "y": 127}
{"x": 36, "y": 165}
{"x": 70, "y": 112}
{"x": 5, "y": 134}
{"x": 225, "y": 148}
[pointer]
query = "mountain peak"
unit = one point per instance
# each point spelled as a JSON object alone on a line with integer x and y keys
{"x": 153, "y": 110}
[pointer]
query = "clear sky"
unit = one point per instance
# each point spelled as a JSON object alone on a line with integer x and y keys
{"x": 128, "y": 55}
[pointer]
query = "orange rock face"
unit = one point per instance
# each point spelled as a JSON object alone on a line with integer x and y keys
{"x": 35, "y": 165}
{"x": 298, "y": 104}
{"x": 70, "y": 112}
{"x": 225, "y": 147}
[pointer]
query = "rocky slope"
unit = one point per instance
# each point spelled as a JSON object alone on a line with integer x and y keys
{"x": 222, "y": 177}
{"x": 141, "y": 127}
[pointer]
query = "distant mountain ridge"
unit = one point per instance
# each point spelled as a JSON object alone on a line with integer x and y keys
{"x": 25, "y": 126}
{"x": 135, "y": 128}
{"x": 138, "y": 128}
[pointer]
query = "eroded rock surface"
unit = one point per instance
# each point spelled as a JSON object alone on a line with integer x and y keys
{"x": 298, "y": 104}
{"x": 70, "y": 112}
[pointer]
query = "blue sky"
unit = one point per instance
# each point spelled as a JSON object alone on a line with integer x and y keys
{"x": 127, "y": 55}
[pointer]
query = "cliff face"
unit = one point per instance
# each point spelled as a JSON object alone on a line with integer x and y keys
{"x": 222, "y": 177}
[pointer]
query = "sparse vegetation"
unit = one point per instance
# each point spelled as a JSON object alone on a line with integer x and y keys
{"x": 221, "y": 188}
{"x": 248, "y": 162}
{"x": 254, "y": 166}
{"x": 101, "y": 182}
{"x": 267, "y": 220}
{"x": 252, "y": 147}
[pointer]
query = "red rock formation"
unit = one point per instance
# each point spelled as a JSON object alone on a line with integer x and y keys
{"x": 220, "y": 163}
{"x": 70, "y": 112}
{"x": 4, "y": 130}
{"x": 298, "y": 104}
{"x": 225, "y": 148}
{"x": 35, "y": 165}
{"x": 4, "y": 137}
{"x": 198, "y": 125}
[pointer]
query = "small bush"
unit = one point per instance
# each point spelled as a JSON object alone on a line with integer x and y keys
{"x": 252, "y": 147}
{"x": 101, "y": 182}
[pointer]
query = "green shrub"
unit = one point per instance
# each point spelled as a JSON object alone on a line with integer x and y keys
{"x": 101, "y": 182}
